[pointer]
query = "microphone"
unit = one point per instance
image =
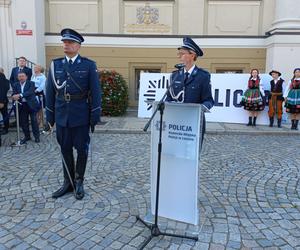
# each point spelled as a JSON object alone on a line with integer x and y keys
{"x": 179, "y": 65}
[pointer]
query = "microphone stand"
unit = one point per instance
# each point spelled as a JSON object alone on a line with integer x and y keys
{"x": 177, "y": 66}
{"x": 154, "y": 229}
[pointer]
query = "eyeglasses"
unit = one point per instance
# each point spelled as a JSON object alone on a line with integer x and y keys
{"x": 179, "y": 97}
{"x": 181, "y": 53}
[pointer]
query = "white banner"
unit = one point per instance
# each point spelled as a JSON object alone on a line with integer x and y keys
{"x": 152, "y": 88}
{"x": 179, "y": 162}
{"x": 227, "y": 90}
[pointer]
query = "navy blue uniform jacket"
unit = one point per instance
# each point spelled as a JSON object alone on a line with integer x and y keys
{"x": 197, "y": 87}
{"x": 14, "y": 74}
{"x": 28, "y": 94}
{"x": 75, "y": 112}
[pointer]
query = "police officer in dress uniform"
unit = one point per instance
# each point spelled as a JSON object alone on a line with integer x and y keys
{"x": 190, "y": 84}
{"x": 73, "y": 99}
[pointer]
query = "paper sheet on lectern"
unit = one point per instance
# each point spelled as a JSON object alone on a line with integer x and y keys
{"x": 179, "y": 162}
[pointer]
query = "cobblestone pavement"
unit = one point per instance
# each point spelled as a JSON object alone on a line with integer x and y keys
{"x": 249, "y": 195}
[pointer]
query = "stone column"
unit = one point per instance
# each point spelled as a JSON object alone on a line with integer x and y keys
{"x": 191, "y": 15}
{"x": 286, "y": 14}
{"x": 6, "y": 37}
{"x": 111, "y": 16}
{"x": 283, "y": 44}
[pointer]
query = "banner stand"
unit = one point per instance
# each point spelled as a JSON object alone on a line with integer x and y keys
{"x": 154, "y": 229}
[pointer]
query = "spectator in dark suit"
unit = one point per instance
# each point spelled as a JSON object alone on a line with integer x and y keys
{"x": 24, "y": 92}
{"x": 4, "y": 87}
{"x": 21, "y": 67}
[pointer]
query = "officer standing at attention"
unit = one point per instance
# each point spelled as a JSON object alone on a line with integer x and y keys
{"x": 190, "y": 84}
{"x": 73, "y": 99}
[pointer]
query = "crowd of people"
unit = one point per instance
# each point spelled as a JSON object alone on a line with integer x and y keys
{"x": 255, "y": 98}
{"x": 28, "y": 93}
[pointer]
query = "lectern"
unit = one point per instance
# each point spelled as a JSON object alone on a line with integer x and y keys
{"x": 175, "y": 147}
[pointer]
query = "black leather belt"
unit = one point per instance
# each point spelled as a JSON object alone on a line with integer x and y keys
{"x": 68, "y": 97}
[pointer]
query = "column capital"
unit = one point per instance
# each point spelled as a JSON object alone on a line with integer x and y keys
{"x": 5, "y": 3}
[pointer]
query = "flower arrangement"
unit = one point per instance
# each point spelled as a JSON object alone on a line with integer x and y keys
{"x": 114, "y": 93}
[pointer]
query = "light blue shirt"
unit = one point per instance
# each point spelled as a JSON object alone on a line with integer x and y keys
{"x": 39, "y": 82}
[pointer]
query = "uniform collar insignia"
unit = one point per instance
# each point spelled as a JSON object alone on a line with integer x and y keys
{"x": 63, "y": 60}
{"x": 194, "y": 71}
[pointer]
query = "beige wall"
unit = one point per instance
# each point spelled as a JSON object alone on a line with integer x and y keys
{"x": 188, "y": 17}
{"x": 125, "y": 60}
{"x": 63, "y": 13}
{"x": 233, "y": 17}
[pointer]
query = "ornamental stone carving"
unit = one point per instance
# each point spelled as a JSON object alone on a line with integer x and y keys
{"x": 147, "y": 15}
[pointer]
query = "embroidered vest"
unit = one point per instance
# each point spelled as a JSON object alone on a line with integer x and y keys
{"x": 276, "y": 88}
{"x": 296, "y": 84}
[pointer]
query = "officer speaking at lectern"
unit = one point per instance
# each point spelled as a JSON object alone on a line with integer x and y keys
{"x": 190, "y": 84}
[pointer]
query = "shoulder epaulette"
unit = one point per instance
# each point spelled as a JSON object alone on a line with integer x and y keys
{"x": 58, "y": 59}
{"x": 87, "y": 59}
{"x": 204, "y": 71}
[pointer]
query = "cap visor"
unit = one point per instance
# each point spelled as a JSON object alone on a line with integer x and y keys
{"x": 70, "y": 39}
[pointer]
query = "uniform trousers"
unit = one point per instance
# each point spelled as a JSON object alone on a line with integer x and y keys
{"x": 78, "y": 138}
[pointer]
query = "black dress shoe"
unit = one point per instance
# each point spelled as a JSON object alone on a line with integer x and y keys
{"x": 66, "y": 188}
{"x": 24, "y": 140}
{"x": 37, "y": 140}
{"x": 79, "y": 191}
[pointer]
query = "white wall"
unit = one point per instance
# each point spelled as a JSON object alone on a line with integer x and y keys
{"x": 12, "y": 45}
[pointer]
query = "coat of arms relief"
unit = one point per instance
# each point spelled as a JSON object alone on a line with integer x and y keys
{"x": 147, "y": 15}
{"x": 147, "y": 21}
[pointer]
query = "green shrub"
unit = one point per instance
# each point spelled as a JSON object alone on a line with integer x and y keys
{"x": 114, "y": 93}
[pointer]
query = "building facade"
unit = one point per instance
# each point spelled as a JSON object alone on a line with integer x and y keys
{"x": 133, "y": 36}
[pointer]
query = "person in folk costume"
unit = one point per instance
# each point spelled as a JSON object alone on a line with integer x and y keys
{"x": 252, "y": 99}
{"x": 276, "y": 97}
{"x": 292, "y": 99}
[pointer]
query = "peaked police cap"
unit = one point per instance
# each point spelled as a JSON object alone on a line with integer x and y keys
{"x": 189, "y": 44}
{"x": 71, "y": 35}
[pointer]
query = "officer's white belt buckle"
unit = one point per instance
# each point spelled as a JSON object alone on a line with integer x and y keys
{"x": 67, "y": 97}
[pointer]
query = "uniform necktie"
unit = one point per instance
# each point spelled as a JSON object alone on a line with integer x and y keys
{"x": 186, "y": 77}
{"x": 70, "y": 62}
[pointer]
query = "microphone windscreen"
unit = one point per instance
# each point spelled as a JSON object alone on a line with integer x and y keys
{"x": 179, "y": 65}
